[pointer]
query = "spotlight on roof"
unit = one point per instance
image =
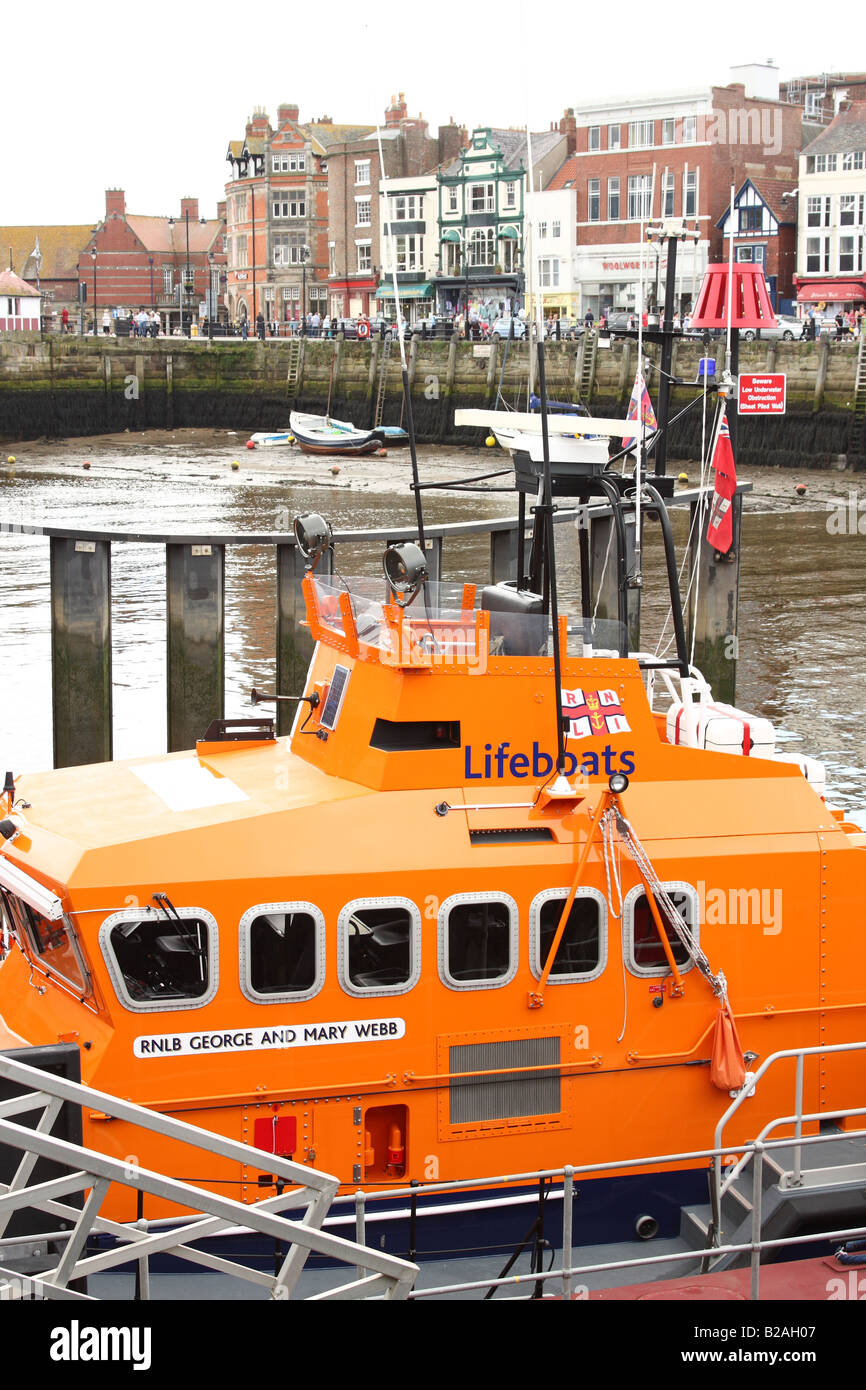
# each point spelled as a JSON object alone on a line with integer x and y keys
{"x": 405, "y": 570}
{"x": 314, "y": 536}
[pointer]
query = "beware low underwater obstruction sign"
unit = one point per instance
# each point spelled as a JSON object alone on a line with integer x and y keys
{"x": 761, "y": 395}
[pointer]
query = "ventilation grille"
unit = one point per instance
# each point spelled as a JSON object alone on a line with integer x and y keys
{"x": 518, "y": 835}
{"x": 512, "y": 1093}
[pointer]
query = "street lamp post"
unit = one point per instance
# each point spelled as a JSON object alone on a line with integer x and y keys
{"x": 210, "y": 299}
{"x": 152, "y": 300}
{"x": 305, "y": 256}
{"x": 93, "y": 255}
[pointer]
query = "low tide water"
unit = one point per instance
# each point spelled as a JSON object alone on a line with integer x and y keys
{"x": 802, "y": 638}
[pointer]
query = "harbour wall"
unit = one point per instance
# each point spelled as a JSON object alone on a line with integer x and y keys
{"x": 64, "y": 387}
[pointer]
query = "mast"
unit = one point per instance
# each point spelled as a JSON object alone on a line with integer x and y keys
{"x": 410, "y": 421}
{"x": 545, "y": 510}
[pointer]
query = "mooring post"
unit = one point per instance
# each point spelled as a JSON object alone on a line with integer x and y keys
{"x": 503, "y": 554}
{"x": 294, "y": 643}
{"x": 81, "y": 650}
{"x": 446, "y": 420}
{"x": 434, "y": 559}
{"x": 195, "y": 578}
{"x": 714, "y": 602}
{"x": 603, "y": 568}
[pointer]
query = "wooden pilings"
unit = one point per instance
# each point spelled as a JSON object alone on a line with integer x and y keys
{"x": 81, "y": 650}
{"x": 604, "y": 578}
{"x": 712, "y": 616}
{"x": 195, "y": 631}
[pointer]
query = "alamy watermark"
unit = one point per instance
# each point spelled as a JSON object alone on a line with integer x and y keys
{"x": 847, "y": 517}
{"x": 738, "y": 907}
{"x": 746, "y": 125}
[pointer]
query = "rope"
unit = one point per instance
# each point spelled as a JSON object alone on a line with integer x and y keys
{"x": 628, "y": 837}
{"x": 613, "y": 873}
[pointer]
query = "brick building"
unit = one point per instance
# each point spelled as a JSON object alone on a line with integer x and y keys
{"x": 172, "y": 264}
{"x": 47, "y": 258}
{"x": 672, "y": 156}
{"x": 354, "y": 225}
{"x": 277, "y": 215}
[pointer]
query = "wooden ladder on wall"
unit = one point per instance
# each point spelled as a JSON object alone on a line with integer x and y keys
{"x": 293, "y": 372}
{"x": 588, "y": 358}
{"x": 857, "y": 432}
{"x": 383, "y": 382}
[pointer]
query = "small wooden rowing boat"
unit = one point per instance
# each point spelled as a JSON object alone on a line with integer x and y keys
{"x": 321, "y": 434}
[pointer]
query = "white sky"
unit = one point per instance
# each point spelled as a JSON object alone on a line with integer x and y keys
{"x": 94, "y": 96}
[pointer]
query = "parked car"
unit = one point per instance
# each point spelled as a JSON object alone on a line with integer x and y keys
{"x": 786, "y": 327}
{"x": 620, "y": 322}
{"x": 507, "y": 328}
{"x": 568, "y": 328}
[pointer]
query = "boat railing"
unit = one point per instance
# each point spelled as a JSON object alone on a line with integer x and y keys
{"x": 84, "y": 1243}
{"x": 721, "y": 1185}
{"x": 569, "y": 1272}
{"x": 82, "y": 1171}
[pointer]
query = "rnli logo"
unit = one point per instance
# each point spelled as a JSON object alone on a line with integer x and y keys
{"x": 589, "y": 713}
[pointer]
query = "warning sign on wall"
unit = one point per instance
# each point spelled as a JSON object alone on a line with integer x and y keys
{"x": 761, "y": 395}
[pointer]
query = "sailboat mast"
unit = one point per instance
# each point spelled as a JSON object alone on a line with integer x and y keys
{"x": 546, "y": 507}
{"x": 407, "y": 399}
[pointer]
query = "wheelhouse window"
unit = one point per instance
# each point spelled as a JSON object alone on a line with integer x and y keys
{"x": 477, "y": 940}
{"x": 282, "y": 952}
{"x": 51, "y": 944}
{"x": 582, "y": 951}
{"x": 645, "y": 951}
{"x": 161, "y": 960}
{"x": 379, "y": 946}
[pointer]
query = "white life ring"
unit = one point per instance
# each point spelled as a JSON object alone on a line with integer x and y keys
{"x": 363, "y": 330}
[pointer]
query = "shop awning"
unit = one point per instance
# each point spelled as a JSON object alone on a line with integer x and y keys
{"x": 450, "y": 235}
{"x": 422, "y": 290}
{"x": 508, "y": 233}
{"x": 832, "y": 292}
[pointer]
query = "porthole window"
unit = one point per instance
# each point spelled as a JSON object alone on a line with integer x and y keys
{"x": 645, "y": 953}
{"x": 477, "y": 940}
{"x": 282, "y": 952}
{"x": 160, "y": 960}
{"x": 379, "y": 946}
{"x": 582, "y": 951}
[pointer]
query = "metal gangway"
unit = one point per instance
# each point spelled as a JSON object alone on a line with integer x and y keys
{"x": 65, "y": 1260}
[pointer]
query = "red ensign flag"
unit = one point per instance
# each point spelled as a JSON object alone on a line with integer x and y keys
{"x": 720, "y": 531}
